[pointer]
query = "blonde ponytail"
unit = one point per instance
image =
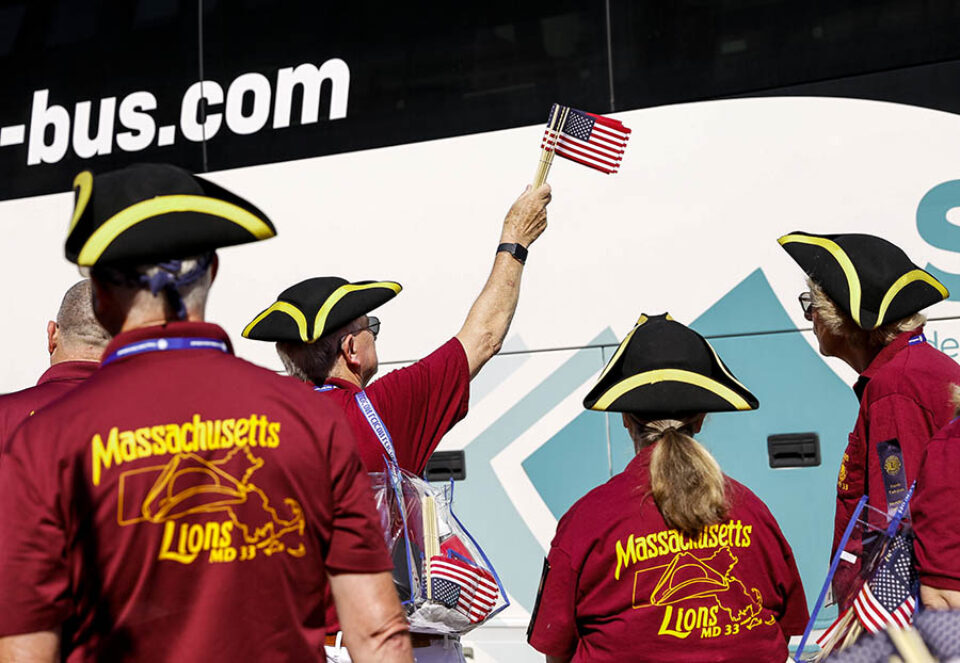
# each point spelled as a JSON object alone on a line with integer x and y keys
{"x": 685, "y": 480}
{"x": 955, "y": 391}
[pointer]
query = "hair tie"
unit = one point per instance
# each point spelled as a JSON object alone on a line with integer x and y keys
{"x": 166, "y": 279}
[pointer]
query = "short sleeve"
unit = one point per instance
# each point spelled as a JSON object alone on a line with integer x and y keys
{"x": 793, "y": 620}
{"x": 936, "y": 523}
{"x": 356, "y": 541}
{"x": 34, "y": 575}
{"x": 421, "y": 402}
{"x": 553, "y": 628}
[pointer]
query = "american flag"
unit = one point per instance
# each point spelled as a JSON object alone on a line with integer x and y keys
{"x": 445, "y": 591}
{"x": 887, "y": 597}
{"x": 468, "y": 588}
{"x": 834, "y": 628}
{"x": 593, "y": 140}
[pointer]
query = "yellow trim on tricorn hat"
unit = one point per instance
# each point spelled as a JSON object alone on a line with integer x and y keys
{"x": 666, "y": 375}
{"x": 330, "y": 302}
{"x": 870, "y": 278}
{"x": 665, "y": 368}
{"x": 282, "y": 307}
{"x": 153, "y": 212}
{"x": 83, "y": 183}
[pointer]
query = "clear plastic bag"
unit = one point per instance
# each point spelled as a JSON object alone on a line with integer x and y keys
{"x": 445, "y": 581}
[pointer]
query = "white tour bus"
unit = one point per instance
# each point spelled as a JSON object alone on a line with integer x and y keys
{"x": 388, "y": 144}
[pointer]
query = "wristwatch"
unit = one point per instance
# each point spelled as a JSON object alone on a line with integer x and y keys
{"x": 518, "y": 251}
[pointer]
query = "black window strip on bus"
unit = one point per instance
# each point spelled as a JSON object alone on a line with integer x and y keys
{"x": 102, "y": 83}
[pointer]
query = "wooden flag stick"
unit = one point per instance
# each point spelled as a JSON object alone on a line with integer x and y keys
{"x": 902, "y": 644}
{"x": 546, "y": 156}
{"x": 839, "y": 632}
{"x": 544, "y": 152}
{"x": 431, "y": 541}
{"x": 910, "y": 645}
{"x": 557, "y": 122}
{"x": 852, "y": 635}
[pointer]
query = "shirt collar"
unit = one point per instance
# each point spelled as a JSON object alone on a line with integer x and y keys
{"x": 342, "y": 384}
{"x": 69, "y": 370}
{"x": 640, "y": 464}
{"x": 885, "y": 356}
{"x": 169, "y": 330}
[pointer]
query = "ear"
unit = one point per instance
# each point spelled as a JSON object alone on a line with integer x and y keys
{"x": 348, "y": 347}
{"x": 53, "y": 336}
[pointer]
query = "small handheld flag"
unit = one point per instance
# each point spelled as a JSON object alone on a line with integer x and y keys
{"x": 593, "y": 140}
{"x": 463, "y": 587}
{"x": 887, "y": 597}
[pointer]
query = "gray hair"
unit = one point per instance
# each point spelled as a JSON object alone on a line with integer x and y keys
{"x": 841, "y": 324}
{"x": 312, "y": 362}
{"x": 78, "y": 325}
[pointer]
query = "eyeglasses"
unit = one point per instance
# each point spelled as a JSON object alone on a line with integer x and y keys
{"x": 373, "y": 324}
{"x": 806, "y": 303}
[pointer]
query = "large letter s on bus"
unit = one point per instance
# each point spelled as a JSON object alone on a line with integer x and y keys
{"x": 938, "y": 231}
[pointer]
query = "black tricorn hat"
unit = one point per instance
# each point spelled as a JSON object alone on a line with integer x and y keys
{"x": 870, "y": 278}
{"x": 665, "y": 368}
{"x": 311, "y": 309}
{"x": 147, "y": 213}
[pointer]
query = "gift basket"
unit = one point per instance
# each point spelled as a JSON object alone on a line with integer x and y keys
{"x": 445, "y": 581}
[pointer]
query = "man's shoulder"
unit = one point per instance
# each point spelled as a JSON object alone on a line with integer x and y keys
{"x": 452, "y": 350}
{"x": 449, "y": 357}
{"x": 18, "y": 405}
{"x": 23, "y": 397}
{"x": 234, "y": 375}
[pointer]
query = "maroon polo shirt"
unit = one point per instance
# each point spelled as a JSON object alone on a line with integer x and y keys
{"x": 936, "y": 519}
{"x": 904, "y": 394}
{"x": 418, "y": 404}
{"x": 54, "y": 383}
{"x": 623, "y": 586}
{"x": 182, "y": 505}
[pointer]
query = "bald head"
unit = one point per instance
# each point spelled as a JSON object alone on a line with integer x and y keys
{"x": 76, "y": 335}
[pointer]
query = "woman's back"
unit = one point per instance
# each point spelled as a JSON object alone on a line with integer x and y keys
{"x": 622, "y": 585}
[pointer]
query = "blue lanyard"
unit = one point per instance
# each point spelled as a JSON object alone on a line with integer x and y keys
{"x": 376, "y": 423}
{"x": 919, "y": 338}
{"x": 390, "y": 460}
{"x": 163, "y": 344}
{"x": 373, "y": 418}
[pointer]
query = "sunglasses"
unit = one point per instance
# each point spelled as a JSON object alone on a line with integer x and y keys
{"x": 806, "y": 303}
{"x": 373, "y": 324}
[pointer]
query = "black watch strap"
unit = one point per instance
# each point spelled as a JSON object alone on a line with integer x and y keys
{"x": 518, "y": 251}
